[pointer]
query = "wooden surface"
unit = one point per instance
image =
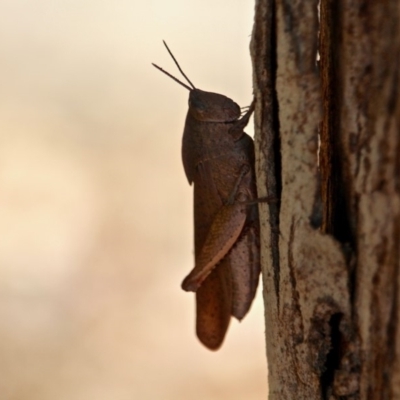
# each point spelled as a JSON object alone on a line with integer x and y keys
{"x": 328, "y": 146}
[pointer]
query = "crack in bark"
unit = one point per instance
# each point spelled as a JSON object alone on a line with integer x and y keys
{"x": 333, "y": 358}
{"x": 335, "y": 215}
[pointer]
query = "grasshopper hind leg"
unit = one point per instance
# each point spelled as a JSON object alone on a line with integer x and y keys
{"x": 214, "y": 305}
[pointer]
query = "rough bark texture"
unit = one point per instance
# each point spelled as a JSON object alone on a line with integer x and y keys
{"x": 328, "y": 151}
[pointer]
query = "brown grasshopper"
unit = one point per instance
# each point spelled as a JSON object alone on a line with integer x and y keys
{"x": 218, "y": 158}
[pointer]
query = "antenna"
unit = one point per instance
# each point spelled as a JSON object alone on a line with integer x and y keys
{"x": 176, "y": 62}
{"x": 180, "y": 70}
{"x": 171, "y": 76}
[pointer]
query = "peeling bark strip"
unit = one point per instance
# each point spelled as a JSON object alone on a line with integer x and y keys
{"x": 331, "y": 243}
{"x": 268, "y": 141}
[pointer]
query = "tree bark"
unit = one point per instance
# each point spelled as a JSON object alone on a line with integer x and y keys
{"x": 327, "y": 136}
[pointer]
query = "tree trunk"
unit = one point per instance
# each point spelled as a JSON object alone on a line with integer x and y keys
{"x": 328, "y": 155}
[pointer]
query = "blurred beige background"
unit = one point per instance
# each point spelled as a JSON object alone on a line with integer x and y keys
{"x": 96, "y": 212}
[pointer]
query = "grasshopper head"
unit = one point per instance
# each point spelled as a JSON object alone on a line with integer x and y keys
{"x": 212, "y": 107}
